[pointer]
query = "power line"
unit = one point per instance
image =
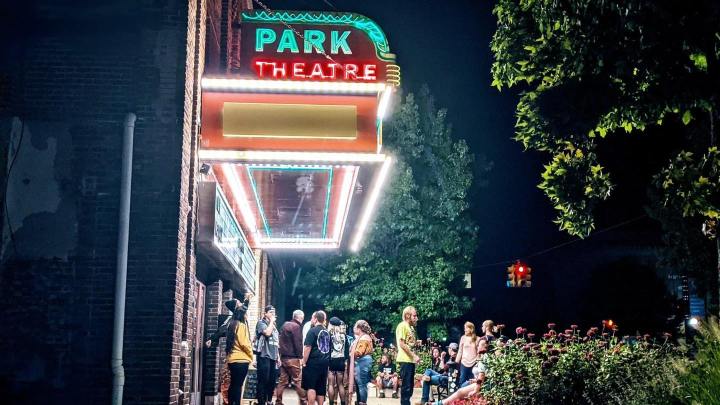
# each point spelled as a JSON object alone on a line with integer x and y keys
{"x": 330, "y": 4}
{"x": 558, "y": 246}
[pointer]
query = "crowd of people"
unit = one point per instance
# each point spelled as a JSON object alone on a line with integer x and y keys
{"x": 323, "y": 360}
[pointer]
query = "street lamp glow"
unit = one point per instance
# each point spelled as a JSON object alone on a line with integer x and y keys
{"x": 694, "y": 322}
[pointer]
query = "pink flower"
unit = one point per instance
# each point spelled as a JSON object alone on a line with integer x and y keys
{"x": 530, "y": 335}
{"x": 551, "y": 325}
{"x": 519, "y": 330}
{"x": 667, "y": 335}
{"x": 568, "y": 331}
{"x": 546, "y": 336}
{"x": 573, "y": 327}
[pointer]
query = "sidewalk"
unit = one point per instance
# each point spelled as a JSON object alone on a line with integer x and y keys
{"x": 290, "y": 398}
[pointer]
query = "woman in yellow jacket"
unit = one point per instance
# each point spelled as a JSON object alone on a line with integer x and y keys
{"x": 238, "y": 348}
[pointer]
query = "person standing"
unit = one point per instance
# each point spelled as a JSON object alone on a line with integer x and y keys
{"x": 268, "y": 356}
{"x": 316, "y": 359}
{"x": 291, "y": 353}
{"x": 468, "y": 353}
{"x": 339, "y": 355}
{"x": 238, "y": 348}
{"x": 407, "y": 359}
{"x": 361, "y": 361}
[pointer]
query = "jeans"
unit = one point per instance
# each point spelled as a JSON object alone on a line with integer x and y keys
{"x": 407, "y": 374}
{"x": 238, "y": 372}
{"x": 362, "y": 377}
{"x": 465, "y": 374}
{"x": 435, "y": 379}
{"x": 266, "y": 376}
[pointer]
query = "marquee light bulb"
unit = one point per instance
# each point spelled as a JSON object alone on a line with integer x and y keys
{"x": 224, "y": 84}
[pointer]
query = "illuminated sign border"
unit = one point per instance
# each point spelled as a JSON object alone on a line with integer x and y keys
{"x": 252, "y": 168}
{"x": 362, "y": 23}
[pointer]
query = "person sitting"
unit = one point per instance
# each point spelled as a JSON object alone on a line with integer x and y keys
{"x": 387, "y": 377}
{"x": 473, "y": 385}
{"x": 437, "y": 374}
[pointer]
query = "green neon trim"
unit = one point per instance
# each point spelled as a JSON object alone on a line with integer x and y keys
{"x": 326, "y": 212}
{"x": 327, "y": 204}
{"x": 364, "y": 24}
{"x": 287, "y": 41}
{"x": 259, "y": 204}
{"x": 263, "y": 36}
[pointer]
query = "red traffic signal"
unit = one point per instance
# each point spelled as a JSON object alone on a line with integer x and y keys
{"x": 519, "y": 275}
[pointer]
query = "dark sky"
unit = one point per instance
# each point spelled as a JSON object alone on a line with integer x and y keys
{"x": 446, "y": 45}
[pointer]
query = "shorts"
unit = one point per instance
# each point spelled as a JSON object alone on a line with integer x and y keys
{"x": 387, "y": 383}
{"x": 337, "y": 364}
{"x": 314, "y": 377}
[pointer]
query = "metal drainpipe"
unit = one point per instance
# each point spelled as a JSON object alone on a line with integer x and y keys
{"x": 122, "y": 255}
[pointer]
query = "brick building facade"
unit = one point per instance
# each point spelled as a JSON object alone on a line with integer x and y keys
{"x": 71, "y": 73}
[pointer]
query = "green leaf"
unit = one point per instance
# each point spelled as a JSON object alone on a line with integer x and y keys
{"x": 700, "y": 61}
{"x": 687, "y": 117}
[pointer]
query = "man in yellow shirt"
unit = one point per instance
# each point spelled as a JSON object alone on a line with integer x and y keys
{"x": 406, "y": 357}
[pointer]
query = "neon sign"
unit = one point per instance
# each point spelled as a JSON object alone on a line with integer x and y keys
{"x": 313, "y": 40}
{"x": 313, "y": 47}
{"x": 318, "y": 70}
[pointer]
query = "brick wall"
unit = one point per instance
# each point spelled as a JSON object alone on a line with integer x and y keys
{"x": 75, "y": 78}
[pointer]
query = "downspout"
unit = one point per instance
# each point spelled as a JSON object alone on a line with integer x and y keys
{"x": 122, "y": 256}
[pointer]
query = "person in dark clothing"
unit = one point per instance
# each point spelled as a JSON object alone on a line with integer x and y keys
{"x": 267, "y": 355}
{"x": 387, "y": 377}
{"x": 237, "y": 346}
{"x": 291, "y": 353}
{"x": 316, "y": 359}
{"x": 339, "y": 356}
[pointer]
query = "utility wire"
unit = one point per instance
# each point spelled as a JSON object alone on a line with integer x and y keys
{"x": 558, "y": 246}
{"x": 7, "y": 184}
{"x": 330, "y": 4}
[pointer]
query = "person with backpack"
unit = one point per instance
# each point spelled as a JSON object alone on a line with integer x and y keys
{"x": 238, "y": 348}
{"x": 316, "y": 359}
{"x": 339, "y": 355}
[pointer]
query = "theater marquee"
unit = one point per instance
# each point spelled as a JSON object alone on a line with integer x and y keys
{"x": 294, "y": 130}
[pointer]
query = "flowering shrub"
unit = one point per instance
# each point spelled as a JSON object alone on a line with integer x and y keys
{"x": 571, "y": 368}
{"x": 700, "y": 377}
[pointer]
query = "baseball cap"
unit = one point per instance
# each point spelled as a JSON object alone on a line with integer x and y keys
{"x": 453, "y": 346}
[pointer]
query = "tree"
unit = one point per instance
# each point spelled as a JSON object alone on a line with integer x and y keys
{"x": 594, "y": 69}
{"x": 422, "y": 240}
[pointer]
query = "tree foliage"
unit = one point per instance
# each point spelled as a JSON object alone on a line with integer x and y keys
{"x": 422, "y": 240}
{"x": 592, "y": 69}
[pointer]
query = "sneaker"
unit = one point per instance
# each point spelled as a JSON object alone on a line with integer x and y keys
{"x": 381, "y": 395}
{"x": 394, "y": 395}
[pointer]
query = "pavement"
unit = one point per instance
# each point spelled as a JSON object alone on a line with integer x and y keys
{"x": 290, "y": 397}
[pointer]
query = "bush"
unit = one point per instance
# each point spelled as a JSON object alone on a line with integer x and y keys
{"x": 700, "y": 378}
{"x": 568, "y": 368}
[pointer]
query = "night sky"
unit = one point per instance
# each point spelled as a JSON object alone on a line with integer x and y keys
{"x": 446, "y": 45}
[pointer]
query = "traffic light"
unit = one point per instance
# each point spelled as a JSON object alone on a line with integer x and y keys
{"x": 519, "y": 275}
